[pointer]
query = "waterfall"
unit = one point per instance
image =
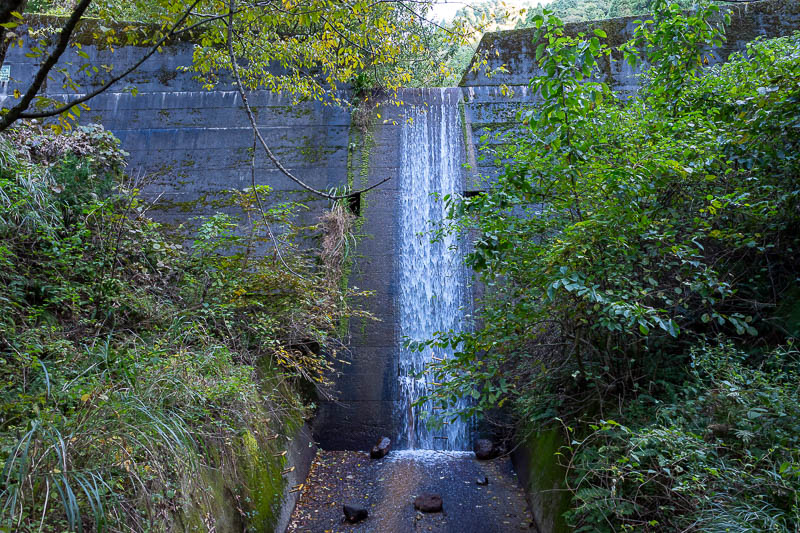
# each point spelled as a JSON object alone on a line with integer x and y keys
{"x": 431, "y": 275}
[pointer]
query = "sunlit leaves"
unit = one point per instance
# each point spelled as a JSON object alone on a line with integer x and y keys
{"x": 618, "y": 232}
{"x": 675, "y": 44}
{"x": 311, "y": 48}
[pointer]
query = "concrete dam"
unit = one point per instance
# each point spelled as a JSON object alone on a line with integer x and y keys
{"x": 194, "y": 145}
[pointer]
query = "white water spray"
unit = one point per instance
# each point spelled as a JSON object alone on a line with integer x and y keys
{"x": 432, "y": 275}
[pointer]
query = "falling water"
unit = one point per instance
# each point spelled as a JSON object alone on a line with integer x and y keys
{"x": 432, "y": 288}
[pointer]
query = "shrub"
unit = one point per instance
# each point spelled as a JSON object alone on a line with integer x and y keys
{"x": 723, "y": 456}
{"x": 129, "y": 363}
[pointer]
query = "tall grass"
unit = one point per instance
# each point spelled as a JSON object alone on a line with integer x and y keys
{"x": 128, "y": 364}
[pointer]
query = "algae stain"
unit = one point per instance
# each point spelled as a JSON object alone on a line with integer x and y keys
{"x": 264, "y": 483}
{"x": 360, "y": 143}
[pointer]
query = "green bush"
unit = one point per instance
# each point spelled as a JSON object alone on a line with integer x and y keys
{"x": 619, "y": 237}
{"x": 129, "y": 363}
{"x": 724, "y": 456}
{"x": 620, "y": 233}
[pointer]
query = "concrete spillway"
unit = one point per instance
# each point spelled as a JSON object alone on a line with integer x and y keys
{"x": 431, "y": 274}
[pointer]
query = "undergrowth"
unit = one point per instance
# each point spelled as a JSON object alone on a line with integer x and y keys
{"x": 639, "y": 259}
{"x": 131, "y": 360}
{"x": 722, "y": 455}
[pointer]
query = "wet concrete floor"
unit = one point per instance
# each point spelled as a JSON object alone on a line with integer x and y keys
{"x": 387, "y": 488}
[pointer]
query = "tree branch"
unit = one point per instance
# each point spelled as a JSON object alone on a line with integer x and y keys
{"x": 23, "y": 105}
{"x": 63, "y": 41}
{"x": 6, "y": 8}
{"x": 254, "y": 125}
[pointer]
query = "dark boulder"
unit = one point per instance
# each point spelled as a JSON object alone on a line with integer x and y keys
{"x": 428, "y": 503}
{"x": 381, "y": 449}
{"x": 354, "y": 513}
{"x": 485, "y": 449}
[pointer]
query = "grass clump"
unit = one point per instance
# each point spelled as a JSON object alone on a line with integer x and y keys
{"x": 133, "y": 363}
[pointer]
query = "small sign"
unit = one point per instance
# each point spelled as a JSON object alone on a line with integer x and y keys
{"x": 5, "y": 73}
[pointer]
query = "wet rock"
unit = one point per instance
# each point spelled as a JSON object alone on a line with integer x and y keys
{"x": 428, "y": 503}
{"x": 354, "y": 513}
{"x": 482, "y": 481}
{"x": 381, "y": 449}
{"x": 485, "y": 449}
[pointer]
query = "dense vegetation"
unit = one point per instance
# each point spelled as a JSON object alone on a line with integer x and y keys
{"x": 138, "y": 367}
{"x": 582, "y": 10}
{"x": 640, "y": 260}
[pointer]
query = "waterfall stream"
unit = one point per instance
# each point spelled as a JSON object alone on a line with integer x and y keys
{"x": 431, "y": 274}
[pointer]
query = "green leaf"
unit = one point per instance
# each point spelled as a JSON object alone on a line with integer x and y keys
{"x": 540, "y": 51}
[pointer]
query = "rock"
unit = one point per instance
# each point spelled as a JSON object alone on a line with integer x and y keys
{"x": 482, "y": 481}
{"x": 485, "y": 449}
{"x": 719, "y": 430}
{"x": 381, "y": 449}
{"x": 354, "y": 513}
{"x": 428, "y": 503}
{"x": 716, "y": 431}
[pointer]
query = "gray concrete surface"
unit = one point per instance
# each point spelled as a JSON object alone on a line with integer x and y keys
{"x": 387, "y": 488}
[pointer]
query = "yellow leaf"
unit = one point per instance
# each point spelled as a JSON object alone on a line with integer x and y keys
{"x": 85, "y": 397}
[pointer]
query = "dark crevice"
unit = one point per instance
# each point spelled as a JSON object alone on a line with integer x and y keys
{"x": 354, "y": 203}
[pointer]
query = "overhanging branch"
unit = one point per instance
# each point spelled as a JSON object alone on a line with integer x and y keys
{"x": 18, "y": 111}
{"x": 41, "y": 75}
{"x": 254, "y": 125}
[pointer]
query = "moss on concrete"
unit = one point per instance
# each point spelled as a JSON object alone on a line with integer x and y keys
{"x": 89, "y": 31}
{"x": 211, "y": 503}
{"x": 360, "y": 143}
{"x": 244, "y": 486}
{"x": 543, "y": 478}
{"x": 264, "y": 484}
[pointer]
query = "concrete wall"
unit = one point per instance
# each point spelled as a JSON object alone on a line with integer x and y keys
{"x": 492, "y": 101}
{"x": 367, "y": 407}
{"x": 194, "y": 146}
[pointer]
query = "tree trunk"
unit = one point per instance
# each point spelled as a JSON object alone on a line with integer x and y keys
{"x": 6, "y": 7}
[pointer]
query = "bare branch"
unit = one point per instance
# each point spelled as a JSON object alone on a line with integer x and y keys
{"x": 69, "y": 105}
{"x": 251, "y": 117}
{"x": 63, "y": 41}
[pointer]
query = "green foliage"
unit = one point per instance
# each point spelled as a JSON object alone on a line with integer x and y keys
{"x": 306, "y": 49}
{"x": 722, "y": 456}
{"x": 124, "y": 10}
{"x": 615, "y": 228}
{"x": 583, "y": 10}
{"x": 621, "y": 234}
{"x": 675, "y": 47}
{"x": 129, "y": 363}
